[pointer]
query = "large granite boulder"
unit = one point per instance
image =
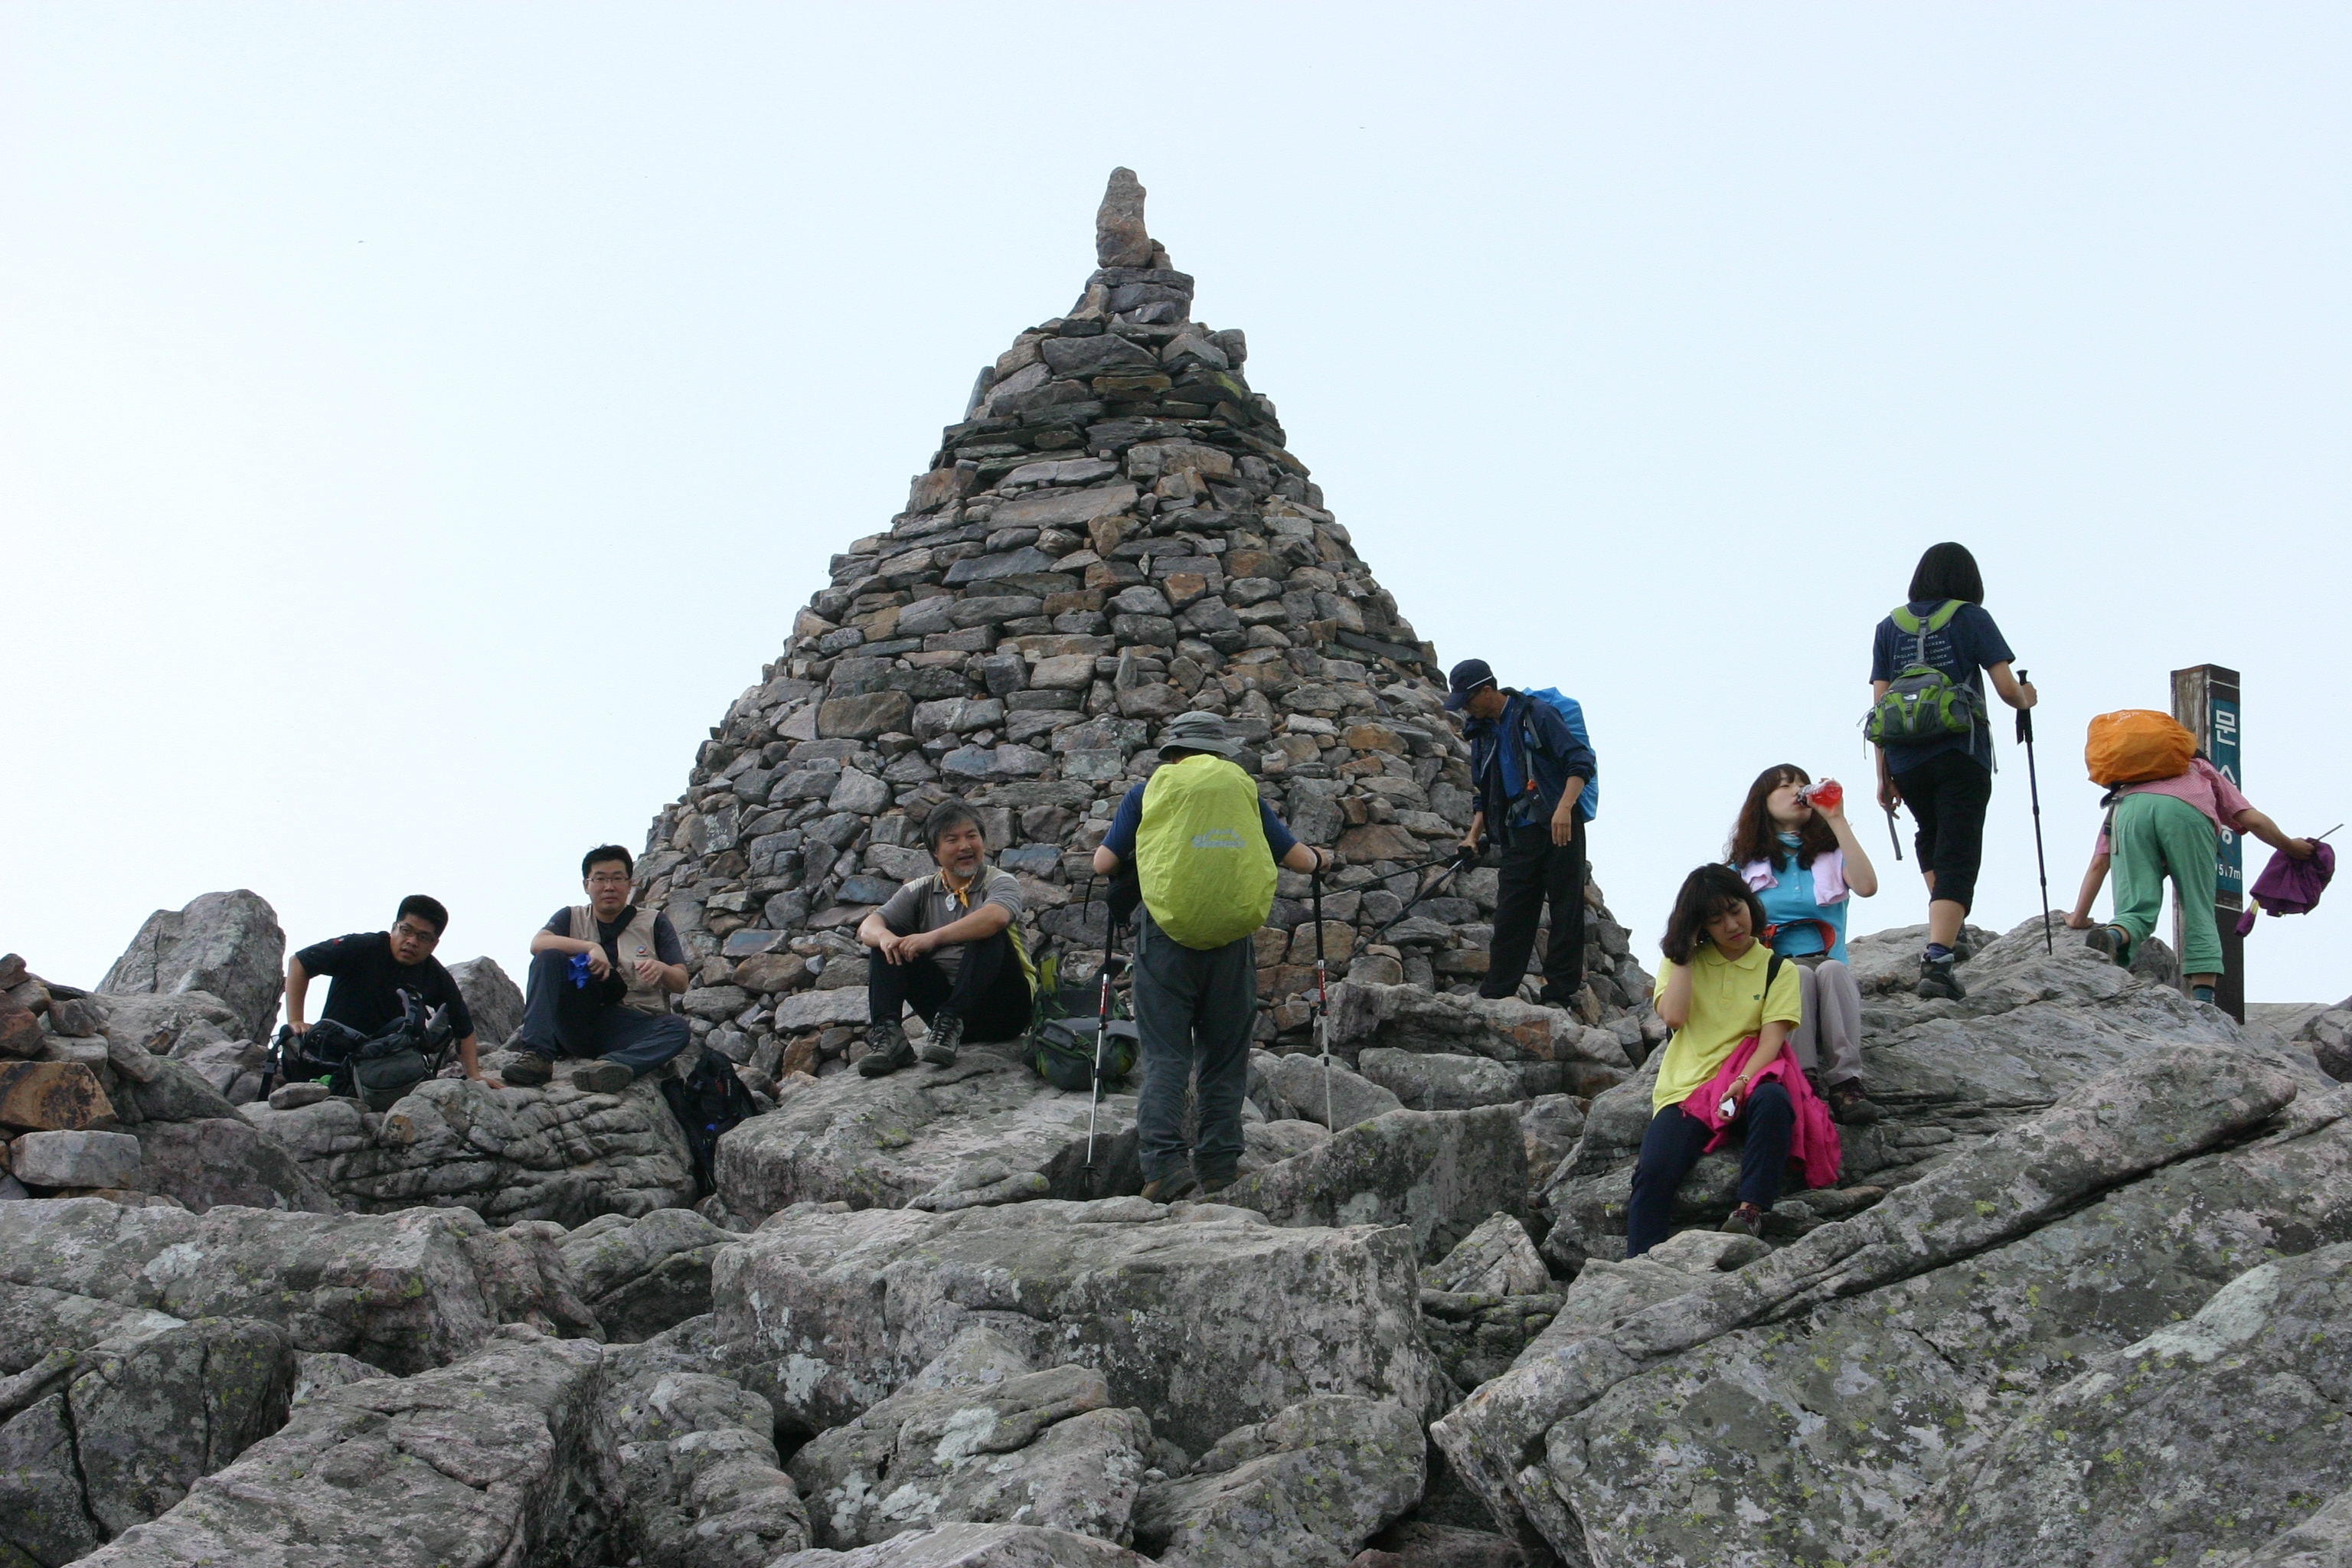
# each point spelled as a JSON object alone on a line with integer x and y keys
{"x": 986, "y": 1130}
{"x": 132, "y": 1425}
{"x": 404, "y": 1291}
{"x": 642, "y": 1276}
{"x": 1307, "y": 1487}
{"x": 1203, "y": 1317}
{"x": 975, "y": 1546}
{"x": 2186, "y": 1445}
{"x": 1656, "y": 1406}
{"x": 224, "y": 945}
{"x": 492, "y": 1000}
{"x": 555, "y": 1154}
{"x": 1438, "y": 1172}
{"x": 685, "y": 1466}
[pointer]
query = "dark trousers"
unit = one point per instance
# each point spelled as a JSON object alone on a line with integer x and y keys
{"x": 1674, "y": 1144}
{"x": 561, "y": 1019}
{"x": 1536, "y": 871}
{"x": 988, "y": 992}
{"x": 1192, "y": 1006}
{"x": 1948, "y": 794}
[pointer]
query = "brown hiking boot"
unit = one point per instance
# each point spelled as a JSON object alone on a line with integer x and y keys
{"x": 602, "y": 1078}
{"x": 527, "y": 1070}
{"x": 1850, "y": 1106}
{"x": 1178, "y": 1183}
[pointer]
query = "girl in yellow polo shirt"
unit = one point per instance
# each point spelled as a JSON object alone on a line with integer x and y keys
{"x": 1712, "y": 992}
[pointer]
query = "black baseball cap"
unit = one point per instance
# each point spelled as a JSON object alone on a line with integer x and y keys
{"x": 1466, "y": 678}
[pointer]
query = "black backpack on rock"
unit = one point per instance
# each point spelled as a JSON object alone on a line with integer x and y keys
{"x": 378, "y": 1069}
{"x": 708, "y": 1102}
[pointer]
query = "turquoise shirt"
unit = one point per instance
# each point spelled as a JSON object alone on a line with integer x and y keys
{"x": 1791, "y": 900}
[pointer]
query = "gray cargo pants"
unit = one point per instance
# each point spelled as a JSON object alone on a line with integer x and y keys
{"x": 1192, "y": 1007}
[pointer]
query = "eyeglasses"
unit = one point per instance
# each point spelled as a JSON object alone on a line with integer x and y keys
{"x": 426, "y": 937}
{"x": 609, "y": 880}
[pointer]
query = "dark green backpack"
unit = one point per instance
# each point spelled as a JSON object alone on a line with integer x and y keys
{"x": 1922, "y": 703}
{"x": 1061, "y": 1042}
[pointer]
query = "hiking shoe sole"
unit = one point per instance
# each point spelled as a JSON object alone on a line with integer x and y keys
{"x": 602, "y": 1078}
{"x": 2111, "y": 940}
{"x": 1169, "y": 1187}
{"x": 937, "y": 1055}
{"x": 881, "y": 1064}
{"x": 1937, "y": 981}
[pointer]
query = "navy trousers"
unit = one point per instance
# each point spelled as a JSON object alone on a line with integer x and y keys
{"x": 1674, "y": 1144}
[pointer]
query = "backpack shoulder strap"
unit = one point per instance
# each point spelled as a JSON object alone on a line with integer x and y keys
{"x": 1772, "y": 973}
{"x": 1943, "y": 616}
{"x": 1904, "y": 619}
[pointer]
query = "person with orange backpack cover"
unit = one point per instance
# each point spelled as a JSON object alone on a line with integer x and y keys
{"x": 2168, "y": 807}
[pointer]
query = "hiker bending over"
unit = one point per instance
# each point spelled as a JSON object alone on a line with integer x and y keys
{"x": 2171, "y": 826}
{"x": 601, "y": 974}
{"x": 1204, "y": 847}
{"x": 950, "y": 944}
{"x": 370, "y": 968}
{"x": 1537, "y": 786}
{"x": 1935, "y": 736}
{"x": 1731, "y": 1004}
{"x": 1803, "y": 863}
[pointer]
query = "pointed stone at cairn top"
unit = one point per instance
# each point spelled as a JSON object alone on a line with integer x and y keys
{"x": 1120, "y": 238}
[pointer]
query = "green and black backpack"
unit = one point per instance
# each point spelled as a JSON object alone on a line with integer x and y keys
{"x": 1923, "y": 704}
{"x": 1061, "y": 1044}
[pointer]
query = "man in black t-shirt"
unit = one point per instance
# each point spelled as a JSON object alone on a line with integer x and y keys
{"x": 370, "y": 968}
{"x": 605, "y": 996}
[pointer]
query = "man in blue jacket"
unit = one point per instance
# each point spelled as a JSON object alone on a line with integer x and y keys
{"x": 1530, "y": 771}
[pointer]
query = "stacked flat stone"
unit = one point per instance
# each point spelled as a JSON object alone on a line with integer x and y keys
{"x": 1114, "y": 533}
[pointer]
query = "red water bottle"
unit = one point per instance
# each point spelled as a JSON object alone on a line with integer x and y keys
{"x": 1826, "y": 795}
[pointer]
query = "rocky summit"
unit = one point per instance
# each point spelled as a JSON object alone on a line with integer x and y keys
{"x": 2079, "y": 1298}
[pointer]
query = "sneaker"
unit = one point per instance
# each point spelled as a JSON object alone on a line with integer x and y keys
{"x": 947, "y": 1034}
{"x": 1746, "y": 1220}
{"x": 2113, "y": 941}
{"x": 1849, "y": 1105}
{"x": 527, "y": 1070}
{"x": 886, "y": 1050}
{"x": 1175, "y": 1185}
{"x": 1936, "y": 979}
{"x": 602, "y": 1078}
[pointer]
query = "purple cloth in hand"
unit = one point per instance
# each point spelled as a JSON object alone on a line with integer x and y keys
{"x": 2291, "y": 887}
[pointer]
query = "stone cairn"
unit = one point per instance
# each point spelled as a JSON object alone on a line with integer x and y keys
{"x": 1114, "y": 533}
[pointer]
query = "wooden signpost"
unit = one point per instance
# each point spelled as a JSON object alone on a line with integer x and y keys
{"x": 2205, "y": 700}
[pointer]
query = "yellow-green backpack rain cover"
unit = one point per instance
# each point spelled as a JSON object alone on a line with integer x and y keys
{"x": 1207, "y": 871}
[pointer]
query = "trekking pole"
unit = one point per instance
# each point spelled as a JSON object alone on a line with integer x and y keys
{"x": 1322, "y": 993}
{"x": 2033, "y": 787}
{"x": 1102, "y": 1044}
{"x": 1451, "y": 867}
{"x": 1892, "y": 837}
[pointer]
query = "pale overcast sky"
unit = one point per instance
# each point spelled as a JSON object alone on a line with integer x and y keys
{"x": 419, "y": 422}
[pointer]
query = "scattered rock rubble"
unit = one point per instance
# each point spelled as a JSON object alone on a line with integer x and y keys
{"x": 2079, "y": 1298}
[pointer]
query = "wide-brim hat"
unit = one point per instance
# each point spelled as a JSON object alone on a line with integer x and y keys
{"x": 1197, "y": 732}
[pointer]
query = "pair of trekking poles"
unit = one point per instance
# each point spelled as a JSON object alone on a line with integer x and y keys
{"x": 1111, "y": 962}
{"x": 2033, "y": 788}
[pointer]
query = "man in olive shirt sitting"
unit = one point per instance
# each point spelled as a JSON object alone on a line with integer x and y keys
{"x": 949, "y": 944}
{"x": 614, "y": 1003}
{"x": 370, "y": 968}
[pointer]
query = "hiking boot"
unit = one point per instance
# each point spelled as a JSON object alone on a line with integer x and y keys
{"x": 886, "y": 1050}
{"x": 602, "y": 1078}
{"x": 1936, "y": 979}
{"x": 1746, "y": 1220}
{"x": 2113, "y": 941}
{"x": 527, "y": 1070}
{"x": 1175, "y": 1185}
{"x": 1214, "y": 1184}
{"x": 1849, "y": 1105}
{"x": 947, "y": 1034}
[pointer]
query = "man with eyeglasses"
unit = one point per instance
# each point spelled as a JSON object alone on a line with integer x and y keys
{"x": 370, "y": 968}
{"x": 601, "y": 974}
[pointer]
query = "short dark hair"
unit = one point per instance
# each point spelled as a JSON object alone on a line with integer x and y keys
{"x": 945, "y": 818}
{"x": 1947, "y": 572}
{"x": 603, "y": 852}
{"x": 1706, "y": 893}
{"x": 429, "y": 908}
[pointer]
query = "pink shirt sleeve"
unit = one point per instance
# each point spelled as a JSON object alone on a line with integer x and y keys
{"x": 2227, "y": 800}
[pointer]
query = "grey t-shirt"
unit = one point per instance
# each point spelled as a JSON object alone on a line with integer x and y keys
{"x": 925, "y": 904}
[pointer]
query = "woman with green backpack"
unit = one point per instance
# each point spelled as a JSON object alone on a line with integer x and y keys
{"x": 1929, "y": 720}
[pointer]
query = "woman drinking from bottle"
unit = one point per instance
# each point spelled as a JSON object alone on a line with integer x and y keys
{"x": 1794, "y": 849}
{"x": 1731, "y": 1005}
